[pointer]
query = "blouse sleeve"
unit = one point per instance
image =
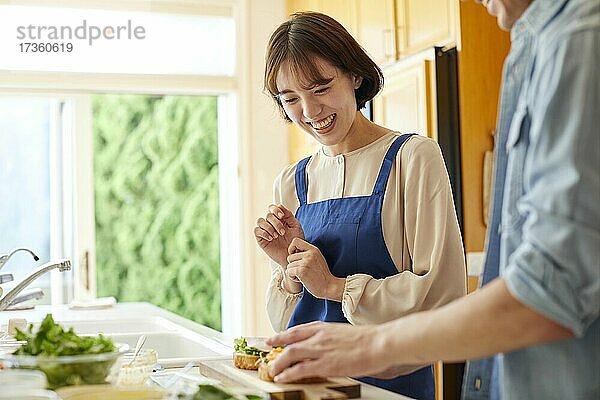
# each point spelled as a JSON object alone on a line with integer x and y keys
{"x": 280, "y": 302}
{"x": 435, "y": 273}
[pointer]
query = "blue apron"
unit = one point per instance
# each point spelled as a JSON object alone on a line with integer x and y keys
{"x": 348, "y": 233}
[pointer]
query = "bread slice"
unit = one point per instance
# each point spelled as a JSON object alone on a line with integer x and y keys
{"x": 245, "y": 361}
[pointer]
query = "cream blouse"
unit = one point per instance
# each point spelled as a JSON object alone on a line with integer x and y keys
{"x": 420, "y": 230}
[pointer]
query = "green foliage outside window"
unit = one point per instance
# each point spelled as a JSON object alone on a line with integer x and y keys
{"x": 157, "y": 202}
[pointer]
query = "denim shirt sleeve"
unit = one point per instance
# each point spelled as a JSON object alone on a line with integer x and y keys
{"x": 556, "y": 268}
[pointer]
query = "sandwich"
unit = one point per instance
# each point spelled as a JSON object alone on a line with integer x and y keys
{"x": 247, "y": 357}
{"x": 263, "y": 364}
{"x": 264, "y": 371}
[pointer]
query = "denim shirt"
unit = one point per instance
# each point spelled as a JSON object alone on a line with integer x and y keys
{"x": 544, "y": 234}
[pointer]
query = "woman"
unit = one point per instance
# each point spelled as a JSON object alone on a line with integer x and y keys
{"x": 363, "y": 231}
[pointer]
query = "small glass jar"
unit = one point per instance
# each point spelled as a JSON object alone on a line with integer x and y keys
{"x": 137, "y": 373}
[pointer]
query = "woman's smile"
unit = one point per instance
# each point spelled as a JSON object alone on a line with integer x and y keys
{"x": 324, "y": 125}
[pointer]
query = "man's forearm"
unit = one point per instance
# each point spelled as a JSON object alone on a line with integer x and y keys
{"x": 486, "y": 322}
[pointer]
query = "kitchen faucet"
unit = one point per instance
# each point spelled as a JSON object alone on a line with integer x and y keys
{"x": 6, "y": 257}
{"x": 62, "y": 265}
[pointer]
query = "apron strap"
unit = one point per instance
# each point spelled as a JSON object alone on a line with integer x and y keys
{"x": 388, "y": 161}
{"x": 301, "y": 180}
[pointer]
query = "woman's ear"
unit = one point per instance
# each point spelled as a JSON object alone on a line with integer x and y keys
{"x": 357, "y": 81}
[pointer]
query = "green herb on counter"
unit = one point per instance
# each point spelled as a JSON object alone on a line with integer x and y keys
{"x": 240, "y": 345}
{"x": 212, "y": 392}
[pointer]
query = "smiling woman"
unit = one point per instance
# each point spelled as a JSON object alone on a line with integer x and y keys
{"x": 364, "y": 230}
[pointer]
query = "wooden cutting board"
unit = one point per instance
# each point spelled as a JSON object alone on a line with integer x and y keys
{"x": 332, "y": 389}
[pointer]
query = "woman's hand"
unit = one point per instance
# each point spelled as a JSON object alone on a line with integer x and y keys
{"x": 328, "y": 350}
{"x": 275, "y": 233}
{"x": 307, "y": 265}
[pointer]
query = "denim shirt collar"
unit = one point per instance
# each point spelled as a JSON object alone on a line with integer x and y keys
{"x": 535, "y": 18}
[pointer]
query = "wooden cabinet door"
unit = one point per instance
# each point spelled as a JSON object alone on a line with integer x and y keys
{"x": 302, "y": 5}
{"x": 403, "y": 105}
{"x": 376, "y": 29}
{"x": 343, "y": 11}
{"x": 425, "y": 23}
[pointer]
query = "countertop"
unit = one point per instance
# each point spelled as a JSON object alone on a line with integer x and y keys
{"x": 132, "y": 310}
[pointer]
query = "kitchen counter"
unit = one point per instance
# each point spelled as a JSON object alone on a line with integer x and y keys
{"x": 126, "y": 311}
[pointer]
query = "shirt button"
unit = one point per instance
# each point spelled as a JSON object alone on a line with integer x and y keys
{"x": 477, "y": 384}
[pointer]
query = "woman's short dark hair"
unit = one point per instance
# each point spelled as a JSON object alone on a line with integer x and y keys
{"x": 309, "y": 35}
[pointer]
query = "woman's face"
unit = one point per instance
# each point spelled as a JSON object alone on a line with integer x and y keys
{"x": 325, "y": 111}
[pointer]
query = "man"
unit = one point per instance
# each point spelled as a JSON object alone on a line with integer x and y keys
{"x": 539, "y": 312}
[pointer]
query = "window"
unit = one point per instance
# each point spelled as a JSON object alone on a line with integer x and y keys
{"x": 32, "y": 130}
{"x": 156, "y": 189}
{"x": 193, "y": 45}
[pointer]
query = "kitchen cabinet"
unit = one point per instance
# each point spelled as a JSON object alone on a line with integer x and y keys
{"x": 376, "y": 29}
{"x": 343, "y": 11}
{"x": 391, "y": 29}
{"x": 421, "y": 24}
{"x": 407, "y": 101}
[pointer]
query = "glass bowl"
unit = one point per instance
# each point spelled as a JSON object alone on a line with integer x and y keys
{"x": 68, "y": 370}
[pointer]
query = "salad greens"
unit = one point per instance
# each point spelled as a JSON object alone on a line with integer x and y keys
{"x": 241, "y": 346}
{"x": 212, "y": 392}
{"x": 51, "y": 341}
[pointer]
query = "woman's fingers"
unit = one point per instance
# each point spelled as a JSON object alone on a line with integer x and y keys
{"x": 268, "y": 228}
{"x": 295, "y": 257}
{"x": 286, "y": 212}
{"x": 298, "y": 245}
{"x": 276, "y": 223}
{"x": 293, "y": 273}
{"x": 277, "y": 210}
{"x": 260, "y": 235}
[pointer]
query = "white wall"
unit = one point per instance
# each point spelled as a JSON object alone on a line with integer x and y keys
{"x": 264, "y": 152}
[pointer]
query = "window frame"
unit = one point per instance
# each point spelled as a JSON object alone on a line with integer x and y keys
{"x": 73, "y": 233}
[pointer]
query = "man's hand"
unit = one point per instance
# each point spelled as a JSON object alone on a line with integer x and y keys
{"x": 326, "y": 349}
